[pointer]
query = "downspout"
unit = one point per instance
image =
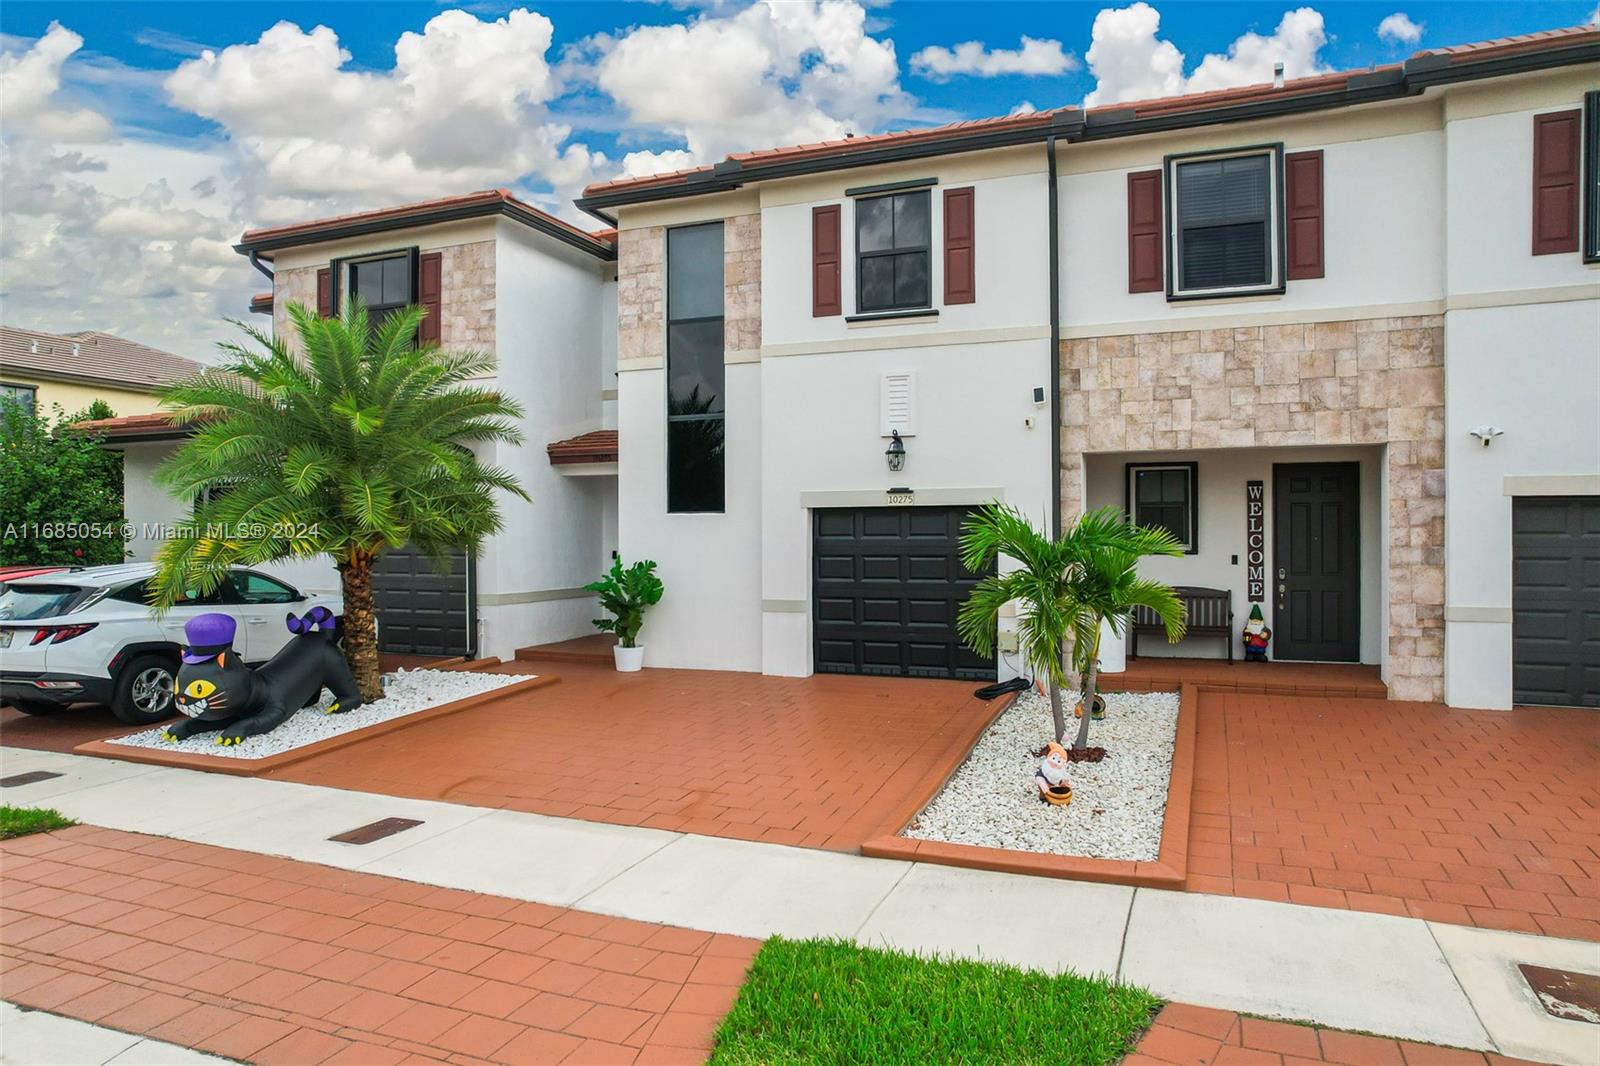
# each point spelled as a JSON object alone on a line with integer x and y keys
{"x": 255, "y": 261}
{"x": 1053, "y": 227}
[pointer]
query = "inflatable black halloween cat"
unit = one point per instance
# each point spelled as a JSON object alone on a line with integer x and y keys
{"x": 221, "y": 694}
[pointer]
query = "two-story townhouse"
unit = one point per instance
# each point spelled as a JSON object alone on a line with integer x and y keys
{"x": 495, "y": 275}
{"x": 1338, "y": 334}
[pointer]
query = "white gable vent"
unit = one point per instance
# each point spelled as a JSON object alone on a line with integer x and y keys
{"x": 898, "y": 403}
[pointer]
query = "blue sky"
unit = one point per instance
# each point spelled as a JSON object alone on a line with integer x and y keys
{"x": 139, "y": 140}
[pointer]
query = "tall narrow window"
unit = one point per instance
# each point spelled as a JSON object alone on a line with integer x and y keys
{"x": 695, "y": 372}
{"x": 1591, "y": 176}
{"x": 893, "y": 236}
{"x": 384, "y": 285}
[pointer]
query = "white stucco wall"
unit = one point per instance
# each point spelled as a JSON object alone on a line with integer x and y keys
{"x": 149, "y": 509}
{"x": 1383, "y": 223}
{"x": 1529, "y": 363}
{"x": 1222, "y": 475}
{"x": 549, "y": 342}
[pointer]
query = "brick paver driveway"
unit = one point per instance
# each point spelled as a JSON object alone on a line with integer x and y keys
{"x": 822, "y": 761}
{"x": 276, "y": 961}
{"x": 1486, "y": 818}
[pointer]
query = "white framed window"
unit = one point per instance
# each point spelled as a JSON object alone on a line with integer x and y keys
{"x": 1225, "y": 223}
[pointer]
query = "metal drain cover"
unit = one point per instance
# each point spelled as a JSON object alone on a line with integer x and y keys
{"x": 27, "y": 779}
{"x": 385, "y": 827}
{"x": 1565, "y": 994}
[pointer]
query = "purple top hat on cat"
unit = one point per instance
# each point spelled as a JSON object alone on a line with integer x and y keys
{"x": 208, "y": 635}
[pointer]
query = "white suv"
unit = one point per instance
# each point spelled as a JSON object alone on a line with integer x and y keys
{"x": 86, "y": 635}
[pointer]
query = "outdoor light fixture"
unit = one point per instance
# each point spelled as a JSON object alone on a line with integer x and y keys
{"x": 896, "y": 453}
{"x": 1485, "y": 434}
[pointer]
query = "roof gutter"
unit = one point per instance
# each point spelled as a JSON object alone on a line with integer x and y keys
{"x": 458, "y": 213}
{"x": 1419, "y": 73}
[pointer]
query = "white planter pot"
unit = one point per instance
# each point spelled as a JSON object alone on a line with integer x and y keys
{"x": 628, "y": 659}
{"x": 1113, "y": 651}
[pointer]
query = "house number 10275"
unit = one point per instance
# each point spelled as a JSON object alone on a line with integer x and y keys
{"x": 901, "y": 499}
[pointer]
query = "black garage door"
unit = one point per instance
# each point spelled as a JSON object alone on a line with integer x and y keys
{"x": 1555, "y": 600}
{"x": 887, "y": 582}
{"x": 420, "y": 610}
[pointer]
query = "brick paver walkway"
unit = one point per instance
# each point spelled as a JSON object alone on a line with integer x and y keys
{"x": 1482, "y": 818}
{"x": 278, "y": 961}
{"x": 821, "y": 761}
{"x": 1197, "y": 1036}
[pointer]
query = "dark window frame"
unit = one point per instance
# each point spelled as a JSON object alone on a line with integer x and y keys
{"x": 1277, "y": 241}
{"x": 668, "y": 323}
{"x": 1590, "y": 196}
{"x": 1130, "y": 503}
{"x": 914, "y": 191}
{"x": 344, "y": 278}
{"x": 31, "y": 403}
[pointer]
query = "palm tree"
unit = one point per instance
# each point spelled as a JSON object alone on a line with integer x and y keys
{"x": 360, "y": 443}
{"x": 1065, "y": 587}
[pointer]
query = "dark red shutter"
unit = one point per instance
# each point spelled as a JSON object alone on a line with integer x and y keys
{"x": 1145, "y": 242}
{"x": 1555, "y": 182}
{"x": 1303, "y": 197}
{"x": 325, "y": 292}
{"x": 825, "y": 295}
{"x": 960, "y": 282}
{"x": 430, "y": 265}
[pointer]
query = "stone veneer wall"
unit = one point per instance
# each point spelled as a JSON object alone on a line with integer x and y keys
{"x": 641, "y": 297}
{"x": 467, "y": 294}
{"x": 741, "y": 285}
{"x": 1370, "y": 381}
{"x": 642, "y": 300}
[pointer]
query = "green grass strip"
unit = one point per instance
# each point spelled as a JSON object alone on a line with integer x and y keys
{"x": 20, "y": 821}
{"x": 830, "y": 1001}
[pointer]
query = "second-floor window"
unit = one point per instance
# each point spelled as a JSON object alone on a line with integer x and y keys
{"x": 696, "y": 447}
{"x": 893, "y": 239}
{"x": 384, "y": 285}
{"x": 24, "y": 396}
{"x": 1225, "y": 230}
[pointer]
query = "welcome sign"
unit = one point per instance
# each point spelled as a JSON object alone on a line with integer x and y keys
{"x": 1255, "y": 541}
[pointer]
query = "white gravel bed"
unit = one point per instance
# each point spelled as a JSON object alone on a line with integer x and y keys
{"x": 404, "y": 692}
{"x": 1117, "y": 803}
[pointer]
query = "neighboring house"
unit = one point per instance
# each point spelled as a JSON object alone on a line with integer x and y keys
{"x": 499, "y": 276}
{"x": 1365, "y": 304}
{"x": 72, "y": 370}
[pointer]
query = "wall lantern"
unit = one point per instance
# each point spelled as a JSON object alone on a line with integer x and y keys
{"x": 896, "y": 453}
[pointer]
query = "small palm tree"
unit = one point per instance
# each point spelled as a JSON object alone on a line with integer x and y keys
{"x": 1065, "y": 588}
{"x": 359, "y": 443}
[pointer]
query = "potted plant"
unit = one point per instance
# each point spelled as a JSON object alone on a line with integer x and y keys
{"x": 626, "y": 593}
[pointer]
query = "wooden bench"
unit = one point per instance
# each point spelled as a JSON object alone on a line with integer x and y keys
{"x": 1209, "y": 613}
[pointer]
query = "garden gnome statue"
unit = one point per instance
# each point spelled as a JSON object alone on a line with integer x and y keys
{"x": 1256, "y": 636}
{"x": 220, "y": 694}
{"x": 1051, "y": 776}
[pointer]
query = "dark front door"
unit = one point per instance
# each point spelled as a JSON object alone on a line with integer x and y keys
{"x": 886, "y": 585}
{"x": 1316, "y": 562}
{"x": 420, "y": 610}
{"x": 1555, "y": 600}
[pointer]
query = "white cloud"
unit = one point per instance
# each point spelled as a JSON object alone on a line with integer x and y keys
{"x": 1594, "y": 16}
{"x": 1399, "y": 29}
{"x": 1025, "y": 107}
{"x": 773, "y": 73}
{"x": 1033, "y": 58}
{"x": 462, "y": 108}
{"x": 1130, "y": 62}
{"x": 30, "y": 82}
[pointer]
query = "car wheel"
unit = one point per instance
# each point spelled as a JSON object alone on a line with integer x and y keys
{"x": 144, "y": 690}
{"x": 37, "y": 707}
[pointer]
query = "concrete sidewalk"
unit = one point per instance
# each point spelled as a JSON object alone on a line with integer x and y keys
{"x": 1399, "y": 977}
{"x": 35, "y": 1038}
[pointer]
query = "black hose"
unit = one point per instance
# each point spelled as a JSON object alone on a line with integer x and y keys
{"x": 1016, "y": 684}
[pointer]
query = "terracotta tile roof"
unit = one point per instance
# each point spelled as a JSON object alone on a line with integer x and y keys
{"x": 94, "y": 356}
{"x": 597, "y": 446}
{"x": 261, "y": 303}
{"x": 400, "y": 214}
{"x": 1481, "y": 50}
{"x": 133, "y": 427}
